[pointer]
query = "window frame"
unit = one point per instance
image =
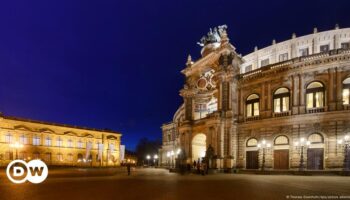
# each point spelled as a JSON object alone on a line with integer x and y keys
{"x": 280, "y": 98}
{"x": 252, "y": 103}
{"x": 346, "y": 86}
{"x": 314, "y": 91}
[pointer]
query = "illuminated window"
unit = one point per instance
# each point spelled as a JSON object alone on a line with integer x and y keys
{"x": 315, "y": 138}
{"x": 346, "y": 91}
{"x": 70, "y": 157}
{"x": 47, "y": 157}
{"x": 36, "y": 155}
{"x": 281, "y": 100}
{"x": 315, "y": 95}
{"x": 281, "y": 140}
{"x": 70, "y": 143}
{"x": 252, "y": 142}
{"x": 111, "y": 147}
{"x": 252, "y": 105}
{"x": 59, "y": 142}
{"x": 23, "y": 139}
{"x": 36, "y": 140}
{"x": 80, "y": 144}
{"x": 48, "y": 141}
{"x": 8, "y": 138}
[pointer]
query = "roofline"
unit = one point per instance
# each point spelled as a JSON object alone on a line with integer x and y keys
{"x": 57, "y": 124}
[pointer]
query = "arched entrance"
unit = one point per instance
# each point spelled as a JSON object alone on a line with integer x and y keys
{"x": 198, "y": 146}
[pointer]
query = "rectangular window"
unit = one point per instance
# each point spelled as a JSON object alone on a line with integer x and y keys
{"x": 36, "y": 140}
{"x": 59, "y": 157}
{"x": 249, "y": 110}
{"x": 48, "y": 142}
{"x": 70, "y": 143}
{"x": 80, "y": 145}
{"x": 324, "y": 48}
{"x": 59, "y": 142}
{"x": 23, "y": 139}
{"x": 304, "y": 52}
{"x": 345, "y": 45}
{"x": 277, "y": 105}
{"x": 319, "y": 99}
{"x": 309, "y": 100}
{"x": 285, "y": 104}
{"x": 256, "y": 108}
{"x": 283, "y": 57}
{"x": 346, "y": 93}
{"x": 8, "y": 138}
{"x": 248, "y": 68}
{"x": 265, "y": 62}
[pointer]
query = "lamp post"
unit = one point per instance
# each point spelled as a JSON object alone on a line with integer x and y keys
{"x": 168, "y": 156}
{"x": 155, "y": 157}
{"x": 148, "y": 157}
{"x": 345, "y": 143}
{"x": 264, "y": 146}
{"x": 300, "y": 145}
{"x": 172, "y": 158}
{"x": 16, "y": 146}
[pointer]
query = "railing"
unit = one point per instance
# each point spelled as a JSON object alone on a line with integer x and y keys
{"x": 253, "y": 118}
{"x": 281, "y": 114}
{"x": 315, "y": 110}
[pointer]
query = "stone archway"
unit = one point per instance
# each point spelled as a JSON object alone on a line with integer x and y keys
{"x": 199, "y": 146}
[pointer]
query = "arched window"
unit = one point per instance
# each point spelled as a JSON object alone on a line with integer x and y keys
{"x": 80, "y": 157}
{"x": 315, "y": 95}
{"x": 346, "y": 91}
{"x": 281, "y": 140}
{"x": 315, "y": 138}
{"x": 281, "y": 100}
{"x": 252, "y": 104}
{"x": 60, "y": 157}
{"x": 252, "y": 142}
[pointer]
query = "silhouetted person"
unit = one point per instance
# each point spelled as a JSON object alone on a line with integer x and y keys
{"x": 128, "y": 168}
{"x": 194, "y": 164}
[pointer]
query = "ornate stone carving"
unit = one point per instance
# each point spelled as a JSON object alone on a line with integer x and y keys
{"x": 213, "y": 36}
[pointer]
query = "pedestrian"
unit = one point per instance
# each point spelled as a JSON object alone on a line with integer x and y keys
{"x": 198, "y": 168}
{"x": 194, "y": 164}
{"x": 128, "y": 168}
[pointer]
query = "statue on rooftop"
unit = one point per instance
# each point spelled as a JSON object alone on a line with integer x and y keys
{"x": 213, "y": 36}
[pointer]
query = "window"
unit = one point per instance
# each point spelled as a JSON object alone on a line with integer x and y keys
{"x": 248, "y": 68}
{"x": 324, "y": 48}
{"x": 80, "y": 144}
{"x": 281, "y": 100}
{"x": 47, "y": 157}
{"x": 89, "y": 145}
{"x": 23, "y": 139}
{"x": 315, "y": 138}
{"x": 8, "y": 138}
{"x": 60, "y": 157}
{"x": 48, "y": 141}
{"x": 252, "y": 104}
{"x": 252, "y": 142}
{"x": 36, "y": 140}
{"x": 70, "y": 143}
{"x": 36, "y": 155}
{"x": 111, "y": 147}
{"x": 264, "y": 62}
{"x": 345, "y": 45}
{"x": 304, "y": 52}
{"x": 22, "y": 155}
{"x": 8, "y": 155}
{"x": 283, "y": 57}
{"x": 281, "y": 140}
{"x": 346, "y": 91}
{"x": 315, "y": 95}
{"x": 59, "y": 142}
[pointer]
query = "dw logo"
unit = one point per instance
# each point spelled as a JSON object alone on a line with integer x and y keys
{"x": 35, "y": 171}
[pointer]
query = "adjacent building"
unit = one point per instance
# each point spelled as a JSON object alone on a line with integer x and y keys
{"x": 282, "y": 107}
{"x": 57, "y": 144}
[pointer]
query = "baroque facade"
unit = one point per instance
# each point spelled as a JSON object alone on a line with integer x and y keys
{"x": 282, "y": 107}
{"x": 57, "y": 144}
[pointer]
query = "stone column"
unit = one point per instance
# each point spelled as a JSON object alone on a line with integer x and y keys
{"x": 302, "y": 107}
{"x": 295, "y": 94}
{"x": 331, "y": 92}
{"x": 189, "y": 108}
{"x": 339, "y": 97}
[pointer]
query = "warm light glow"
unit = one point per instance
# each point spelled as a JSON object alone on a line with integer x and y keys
{"x": 340, "y": 141}
{"x": 16, "y": 145}
{"x": 268, "y": 145}
{"x": 172, "y": 153}
{"x": 155, "y": 156}
{"x": 347, "y": 137}
{"x": 168, "y": 154}
{"x": 148, "y": 157}
{"x": 296, "y": 143}
{"x": 308, "y": 143}
{"x": 302, "y": 139}
{"x": 263, "y": 142}
{"x": 178, "y": 151}
{"x": 259, "y": 145}
{"x": 202, "y": 154}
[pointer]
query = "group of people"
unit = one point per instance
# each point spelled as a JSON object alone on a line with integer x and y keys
{"x": 201, "y": 167}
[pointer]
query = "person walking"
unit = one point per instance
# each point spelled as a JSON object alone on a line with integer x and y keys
{"x": 128, "y": 168}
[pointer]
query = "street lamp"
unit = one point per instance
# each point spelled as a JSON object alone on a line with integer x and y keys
{"x": 345, "y": 143}
{"x": 16, "y": 146}
{"x": 172, "y": 158}
{"x": 263, "y": 145}
{"x": 168, "y": 156}
{"x": 148, "y": 157}
{"x": 300, "y": 145}
{"x": 155, "y": 157}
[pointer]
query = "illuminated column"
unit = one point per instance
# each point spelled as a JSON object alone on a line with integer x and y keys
{"x": 339, "y": 97}
{"x": 295, "y": 94}
{"x": 105, "y": 150}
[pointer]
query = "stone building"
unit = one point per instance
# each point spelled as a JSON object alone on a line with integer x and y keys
{"x": 285, "y": 106}
{"x": 57, "y": 144}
